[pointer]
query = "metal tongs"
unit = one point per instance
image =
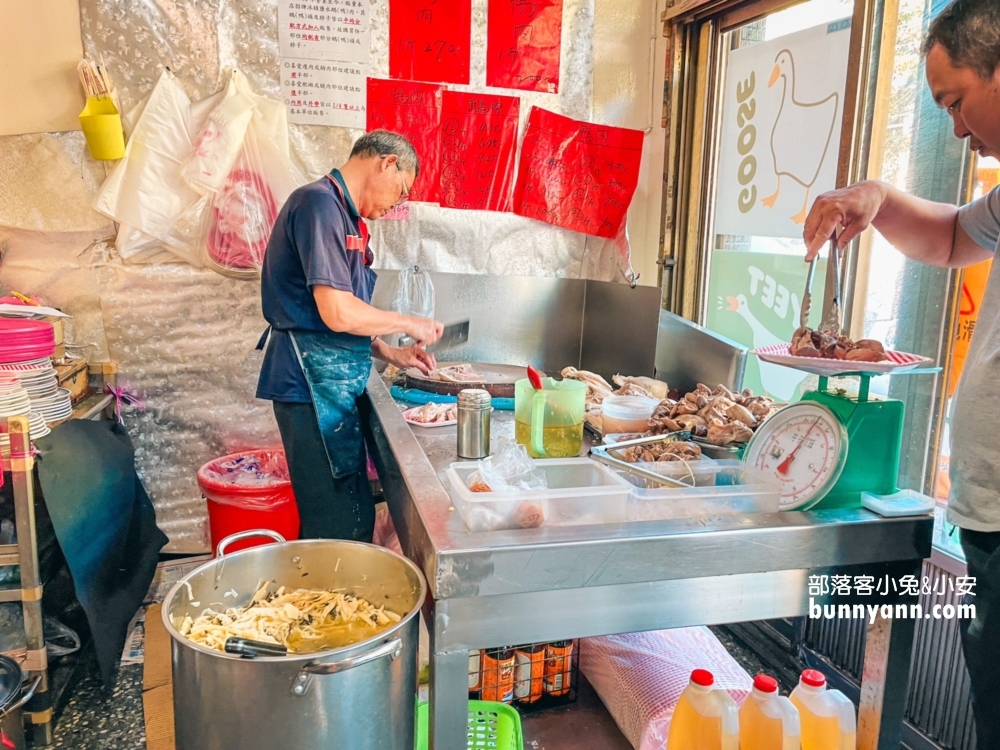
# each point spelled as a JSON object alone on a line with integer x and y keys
{"x": 832, "y": 321}
{"x": 250, "y": 649}
{"x": 605, "y": 455}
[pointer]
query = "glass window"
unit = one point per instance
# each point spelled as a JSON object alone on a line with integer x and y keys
{"x": 782, "y": 96}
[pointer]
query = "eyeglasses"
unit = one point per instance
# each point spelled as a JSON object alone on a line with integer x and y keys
{"x": 404, "y": 192}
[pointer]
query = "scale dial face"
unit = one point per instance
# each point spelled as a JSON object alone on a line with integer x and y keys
{"x": 804, "y": 447}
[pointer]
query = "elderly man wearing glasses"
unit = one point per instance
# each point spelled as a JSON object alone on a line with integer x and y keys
{"x": 316, "y": 290}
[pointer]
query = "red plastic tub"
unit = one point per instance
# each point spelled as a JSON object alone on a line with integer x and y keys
{"x": 249, "y": 490}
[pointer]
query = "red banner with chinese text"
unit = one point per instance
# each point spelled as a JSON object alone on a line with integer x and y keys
{"x": 478, "y": 143}
{"x": 577, "y": 175}
{"x": 430, "y": 40}
{"x": 414, "y": 110}
{"x": 523, "y": 39}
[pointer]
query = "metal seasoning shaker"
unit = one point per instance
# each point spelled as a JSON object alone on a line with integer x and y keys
{"x": 474, "y": 406}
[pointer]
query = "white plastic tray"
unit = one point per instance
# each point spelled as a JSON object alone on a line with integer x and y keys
{"x": 580, "y": 492}
{"x": 725, "y": 487}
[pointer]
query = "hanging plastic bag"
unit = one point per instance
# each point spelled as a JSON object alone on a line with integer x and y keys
{"x": 238, "y": 224}
{"x": 415, "y": 295}
{"x": 219, "y": 143}
{"x": 145, "y": 192}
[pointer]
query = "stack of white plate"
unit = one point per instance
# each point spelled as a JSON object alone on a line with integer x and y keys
{"x": 14, "y": 401}
{"x": 54, "y": 408}
{"x": 47, "y": 398}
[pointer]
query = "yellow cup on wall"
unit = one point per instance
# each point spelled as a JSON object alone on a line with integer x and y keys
{"x": 102, "y": 127}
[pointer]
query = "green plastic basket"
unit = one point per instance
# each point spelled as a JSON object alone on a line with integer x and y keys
{"x": 492, "y": 726}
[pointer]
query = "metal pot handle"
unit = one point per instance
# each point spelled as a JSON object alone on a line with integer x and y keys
{"x": 302, "y": 680}
{"x": 240, "y": 536}
{"x": 25, "y": 697}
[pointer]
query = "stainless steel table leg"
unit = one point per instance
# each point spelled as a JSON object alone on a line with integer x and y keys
{"x": 449, "y": 700}
{"x": 885, "y": 682}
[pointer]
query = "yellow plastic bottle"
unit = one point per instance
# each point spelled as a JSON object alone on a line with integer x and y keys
{"x": 827, "y": 717}
{"x": 768, "y": 721}
{"x": 706, "y": 718}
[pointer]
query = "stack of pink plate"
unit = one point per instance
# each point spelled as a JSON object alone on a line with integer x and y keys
{"x": 25, "y": 340}
{"x": 14, "y": 402}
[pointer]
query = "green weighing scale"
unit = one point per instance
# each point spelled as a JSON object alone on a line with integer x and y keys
{"x": 831, "y": 446}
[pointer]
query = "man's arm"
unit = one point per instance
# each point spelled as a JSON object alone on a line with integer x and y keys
{"x": 343, "y": 312}
{"x": 920, "y": 229}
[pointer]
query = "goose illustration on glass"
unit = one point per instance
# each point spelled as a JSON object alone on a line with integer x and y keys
{"x": 782, "y": 106}
{"x": 799, "y": 120}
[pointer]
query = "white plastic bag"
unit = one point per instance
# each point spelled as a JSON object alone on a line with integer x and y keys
{"x": 219, "y": 142}
{"x": 145, "y": 192}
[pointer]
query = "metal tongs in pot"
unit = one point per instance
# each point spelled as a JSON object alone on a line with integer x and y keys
{"x": 606, "y": 454}
{"x": 250, "y": 649}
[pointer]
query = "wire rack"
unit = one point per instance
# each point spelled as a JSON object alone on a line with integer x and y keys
{"x": 531, "y": 677}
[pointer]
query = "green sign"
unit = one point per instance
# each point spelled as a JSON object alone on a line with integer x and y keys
{"x": 755, "y": 299}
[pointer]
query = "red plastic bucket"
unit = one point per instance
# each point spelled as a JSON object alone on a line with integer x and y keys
{"x": 249, "y": 490}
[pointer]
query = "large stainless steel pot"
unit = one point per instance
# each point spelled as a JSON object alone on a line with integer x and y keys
{"x": 362, "y": 697}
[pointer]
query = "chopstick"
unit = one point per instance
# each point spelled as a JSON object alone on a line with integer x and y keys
{"x": 94, "y": 78}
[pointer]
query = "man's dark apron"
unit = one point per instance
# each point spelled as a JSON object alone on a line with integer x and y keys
{"x": 337, "y": 374}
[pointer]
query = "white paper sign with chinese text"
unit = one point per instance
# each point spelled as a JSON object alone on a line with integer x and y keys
{"x": 781, "y": 122}
{"x": 325, "y": 30}
{"x": 320, "y": 92}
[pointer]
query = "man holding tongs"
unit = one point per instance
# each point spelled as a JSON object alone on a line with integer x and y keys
{"x": 962, "y": 53}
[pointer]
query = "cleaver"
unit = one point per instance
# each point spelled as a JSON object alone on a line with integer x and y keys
{"x": 453, "y": 335}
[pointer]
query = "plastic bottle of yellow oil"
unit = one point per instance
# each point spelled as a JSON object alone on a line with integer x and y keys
{"x": 768, "y": 721}
{"x": 706, "y": 718}
{"x": 827, "y": 717}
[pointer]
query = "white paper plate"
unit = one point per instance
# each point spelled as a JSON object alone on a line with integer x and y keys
{"x": 895, "y": 362}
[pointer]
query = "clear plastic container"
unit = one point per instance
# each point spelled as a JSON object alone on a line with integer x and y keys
{"x": 579, "y": 491}
{"x": 827, "y": 717}
{"x": 626, "y": 413}
{"x": 768, "y": 721}
{"x": 720, "y": 488}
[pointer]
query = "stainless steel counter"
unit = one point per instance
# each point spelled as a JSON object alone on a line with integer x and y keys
{"x": 510, "y": 587}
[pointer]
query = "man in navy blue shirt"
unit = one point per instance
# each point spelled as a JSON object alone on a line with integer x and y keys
{"x": 316, "y": 290}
